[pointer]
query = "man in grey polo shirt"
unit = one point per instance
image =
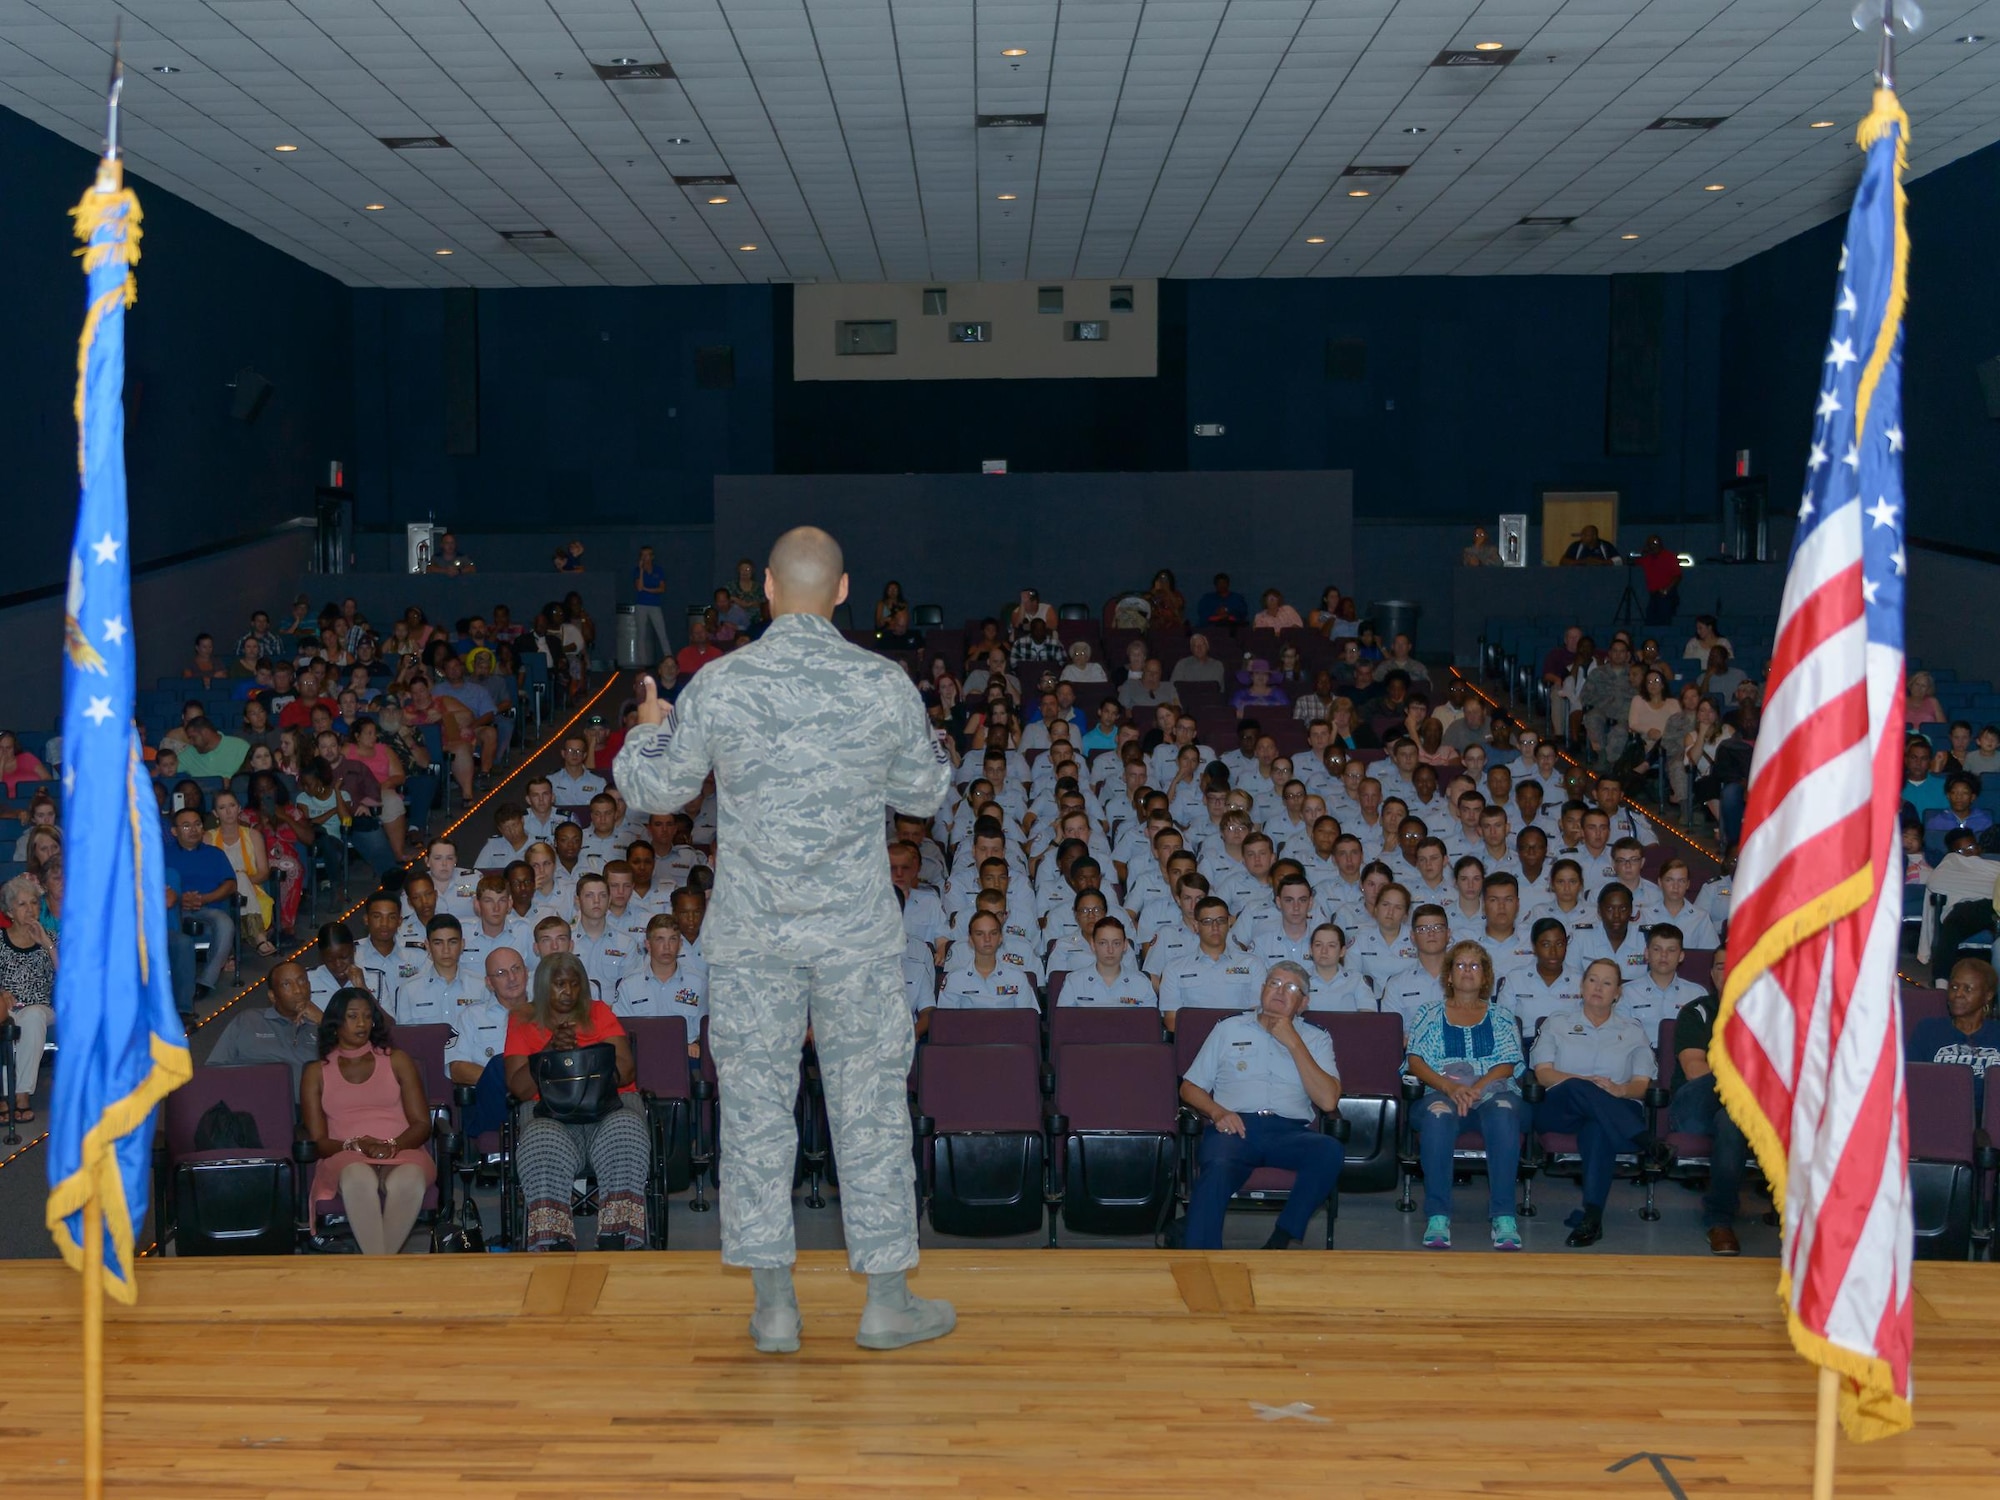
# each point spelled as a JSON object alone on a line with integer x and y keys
{"x": 286, "y": 1030}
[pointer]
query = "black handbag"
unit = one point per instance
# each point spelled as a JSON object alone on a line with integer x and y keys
{"x": 578, "y": 1087}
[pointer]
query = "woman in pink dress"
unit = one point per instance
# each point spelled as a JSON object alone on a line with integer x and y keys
{"x": 363, "y": 1105}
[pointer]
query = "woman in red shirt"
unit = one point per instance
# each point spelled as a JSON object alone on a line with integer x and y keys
{"x": 1662, "y": 571}
{"x": 549, "y": 1155}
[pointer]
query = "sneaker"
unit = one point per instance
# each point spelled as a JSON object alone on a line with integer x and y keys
{"x": 1506, "y": 1233}
{"x": 1437, "y": 1233}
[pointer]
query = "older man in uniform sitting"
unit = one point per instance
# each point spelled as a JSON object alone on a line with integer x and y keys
{"x": 1257, "y": 1081}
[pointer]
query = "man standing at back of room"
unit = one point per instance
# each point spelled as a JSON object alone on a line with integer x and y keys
{"x": 809, "y": 739}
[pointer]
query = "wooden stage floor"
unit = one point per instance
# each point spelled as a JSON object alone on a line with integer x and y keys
{"x": 1116, "y": 1373}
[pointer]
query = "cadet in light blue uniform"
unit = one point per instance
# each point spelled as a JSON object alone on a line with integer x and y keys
{"x": 1659, "y": 992}
{"x": 984, "y": 980}
{"x": 1335, "y": 987}
{"x": 664, "y": 984}
{"x": 432, "y": 997}
{"x": 1218, "y": 975}
{"x": 1113, "y": 980}
{"x": 810, "y": 740}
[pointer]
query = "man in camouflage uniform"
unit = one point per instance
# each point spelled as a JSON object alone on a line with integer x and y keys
{"x": 809, "y": 739}
{"x": 1607, "y": 701}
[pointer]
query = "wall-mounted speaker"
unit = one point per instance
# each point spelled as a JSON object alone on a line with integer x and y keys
{"x": 715, "y": 367}
{"x": 1989, "y": 384}
{"x": 461, "y": 371}
{"x": 249, "y": 393}
{"x": 1346, "y": 359}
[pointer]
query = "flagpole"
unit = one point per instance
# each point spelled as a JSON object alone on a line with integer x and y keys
{"x": 1827, "y": 1416}
{"x": 93, "y": 1348}
{"x": 93, "y": 1206}
{"x": 1823, "y": 1432}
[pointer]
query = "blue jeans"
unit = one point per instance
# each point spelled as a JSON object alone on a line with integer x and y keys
{"x": 1224, "y": 1163}
{"x": 1499, "y": 1122}
{"x": 218, "y": 924}
{"x": 1603, "y": 1124}
{"x": 1697, "y": 1109}
{"x": 420, "y": 794}
{"x": 181, "y": 963}
{"x": 1732, "y": 796}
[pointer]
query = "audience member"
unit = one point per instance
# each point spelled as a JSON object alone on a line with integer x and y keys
{"x": 1466, "y": 1052}
{"x": 363, "y": 1107}
{"x": 1966, "y": 1034}
{"x": 1697, "y": 1110}
{"x": 1258, "y": 1081}
{"x": 27, "y": 986}
{"x": 284, "y": 1031}
{"x": 1222, "y": 606}
{"x": 551, "y": 1153}
{"x": 1596, "y": 1063}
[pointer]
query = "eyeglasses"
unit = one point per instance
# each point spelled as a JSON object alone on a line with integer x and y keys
{"x": 1431, "y": 927}
{"x": 1470, "y": 966}
{"x": 1284, "y": 987}
{"x": 1211, "y": 921}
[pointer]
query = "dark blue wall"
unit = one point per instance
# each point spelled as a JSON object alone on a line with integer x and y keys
{"x": 1479, "y": 391}
{"x": 211, "y": 300}
{"x": 588, "y": 410}
{"x": 1780, "y": 306}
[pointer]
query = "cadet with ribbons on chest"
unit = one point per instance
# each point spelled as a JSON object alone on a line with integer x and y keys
{"x": 1257, "y": 1081}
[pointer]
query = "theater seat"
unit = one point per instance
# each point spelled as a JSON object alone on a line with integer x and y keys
{"x": 1116, "y": 1155}
{"x": 980, "y": 1142}
{"x": 1941, "y": 1159}
{"x": 660, "y": 1062}
{"x": 234, "y": 1200}
{"x": 1368, "y": 1049}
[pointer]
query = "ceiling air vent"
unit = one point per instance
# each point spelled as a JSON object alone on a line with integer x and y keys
{"x": 625, "y": 70}
{"x": 415, "y": 142}
{"x": 1546, "y": 221}
{"x": 1687, "y": 122}
{"x": 1361, "y": 169}
{"x": 1012, "y": 122}
{"x": 534, "y": 241}
{"x": 706, "y": 179}
{"x": 1466, "y": 57}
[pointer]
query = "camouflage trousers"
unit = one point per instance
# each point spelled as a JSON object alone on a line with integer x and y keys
{"x": 861, "y": 1030}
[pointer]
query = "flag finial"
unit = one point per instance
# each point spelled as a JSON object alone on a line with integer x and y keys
{"x": 113, "y": 90}
{"x": 1891, "y": 16}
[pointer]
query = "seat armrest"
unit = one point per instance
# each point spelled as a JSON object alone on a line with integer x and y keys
{"x": 1985, "y": 1154}
{"x": 1656, "y": 1097}
{"x": 924, "y": 1126}
{"x": 702, "y": 1089}
{"x": 1058, "y": 1126}
{"x": 463, "y": 1094}
{"x": 1532, "y": 1089}
{"x": 1191, "y": 1123}
{"x": 1412, "y": 1088}
{"x": 305, "y": 1151}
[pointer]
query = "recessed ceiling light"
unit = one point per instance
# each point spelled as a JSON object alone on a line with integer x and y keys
{"x": 1416, "y": 130}
{"x": 1013, "y": 51}
{"x": 374, "y": 208}
{"x": 165, "y": 68}
{"x": 284, "y": 148}
{"x": 1970, "y": 39}
{"x": 718, "y": 199}
{"x": 624, "y": 62}
{"x": 746, "y": 247}
{"x": 1716, "y": 187}
{"x": 1821, "y": 125}
{"x": 1006, "y": 197}
{"x": 1357, "y": 192}
{"x": 1315, "y": 239}
{"x": 679, "y": 140}
{"x": 1628, "y": 236}
{"x": 1489, "y": 46}
{"x": 440, "y": 252}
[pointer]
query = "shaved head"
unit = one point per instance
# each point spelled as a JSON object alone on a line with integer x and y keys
{"x": 806, "y": 573}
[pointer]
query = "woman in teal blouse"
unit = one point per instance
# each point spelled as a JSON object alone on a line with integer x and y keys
{"x": 1467, "y": 1052}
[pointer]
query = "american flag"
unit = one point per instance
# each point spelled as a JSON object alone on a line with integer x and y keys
{"x": 1807, "y": 1047}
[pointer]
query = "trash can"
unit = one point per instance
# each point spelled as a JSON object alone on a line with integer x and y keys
{"x": 628, "y": 636}
{"x": 1394, "y": 617}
